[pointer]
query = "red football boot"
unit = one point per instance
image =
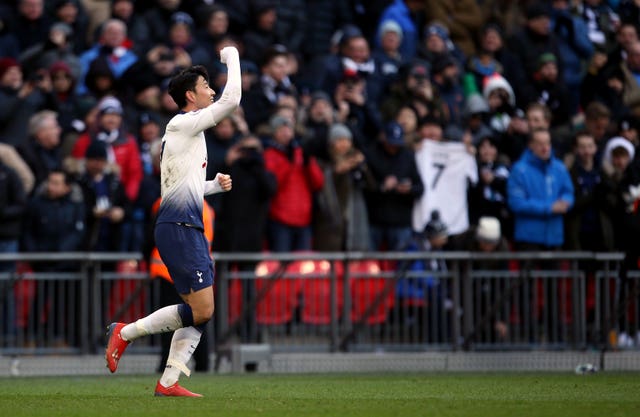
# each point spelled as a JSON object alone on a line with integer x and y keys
{"x": 116, "y": 345}
{"x": 174, "y": 390}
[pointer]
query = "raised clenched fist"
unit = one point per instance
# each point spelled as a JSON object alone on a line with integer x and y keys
{"x": 227, "y": 52}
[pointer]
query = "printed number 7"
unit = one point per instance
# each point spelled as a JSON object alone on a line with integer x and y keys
{"x": 439, "y": 168}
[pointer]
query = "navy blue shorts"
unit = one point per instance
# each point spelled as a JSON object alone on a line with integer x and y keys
{"x": 185, "y": 252}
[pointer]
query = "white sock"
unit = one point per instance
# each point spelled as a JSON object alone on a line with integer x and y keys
{"x": 163, "y": 320}
{"x": 183, "y": 344}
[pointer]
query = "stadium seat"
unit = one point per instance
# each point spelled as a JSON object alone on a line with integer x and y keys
{"x": 126, "y": 292}
{"x": 277, "y": 295}
{"x": 316, "y": 293}
{"x": 24, "y": 292}
{"x": 235, "y": 302}
{"x": 366, "y": 285}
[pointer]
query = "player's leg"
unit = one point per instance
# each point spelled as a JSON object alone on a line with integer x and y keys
{"x": 181, "y": 250}
{"x": 166, "y": 319}
{"x": 184, "y": 343}
{"x": 199, "y": 282}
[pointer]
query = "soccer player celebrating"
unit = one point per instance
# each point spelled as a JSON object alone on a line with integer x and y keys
{"x": 179, "y": 229}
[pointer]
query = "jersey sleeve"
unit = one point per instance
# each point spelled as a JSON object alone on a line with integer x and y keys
{"x": 196, "y": 121}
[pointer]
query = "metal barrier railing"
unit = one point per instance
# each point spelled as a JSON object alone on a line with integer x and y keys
{"x": 338, "y": 301}
{"x": 58, "y": 312}
{"x": 539, "y": 300}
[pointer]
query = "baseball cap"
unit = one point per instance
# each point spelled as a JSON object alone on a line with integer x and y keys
{"x": 181, "y": 18}
{"x": 394, "y": 134}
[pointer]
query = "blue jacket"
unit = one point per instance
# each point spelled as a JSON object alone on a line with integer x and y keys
{"x": 399, "y": 13}
{"x": 574, "y": 45}
{"x": 425, "y": 288}
{"x": 118, "y": 66}
{"x": 533, "y": 186}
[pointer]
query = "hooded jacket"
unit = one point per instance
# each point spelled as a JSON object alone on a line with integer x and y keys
{"x": 533, "y": 186}
{"x": 126, "y": 155}
{"x": 298, "y": 177}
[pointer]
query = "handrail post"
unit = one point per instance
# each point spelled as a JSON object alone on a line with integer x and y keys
{"x": 222, "y": 301}
{"x": 579, "y": 312}
{"x": 346, "y": 293}
{"x": 95, "y": 276}
{"x": 455, "y": 320}
{"x": 606, "y": 329}
{"x": 467, "y": 297}
{"x": 334, "y": 306}
{"x": 85, "y": 294}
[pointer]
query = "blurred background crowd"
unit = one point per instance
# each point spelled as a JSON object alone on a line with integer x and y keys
{"x": 377, "y": 125}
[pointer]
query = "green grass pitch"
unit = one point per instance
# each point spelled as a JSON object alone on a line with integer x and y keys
{"x": 362, "y": 395}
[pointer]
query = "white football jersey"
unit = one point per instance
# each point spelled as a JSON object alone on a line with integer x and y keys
{"x": 446, "y": 168}
{"x": 183, "y": 165}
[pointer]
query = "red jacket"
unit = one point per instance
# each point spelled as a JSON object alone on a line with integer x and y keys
{"x": 293, "y": 203}
{"x": 127, "y": 157}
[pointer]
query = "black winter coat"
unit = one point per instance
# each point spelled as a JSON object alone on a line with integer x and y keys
{"x": 12, "y": 203}
{"x": 390, "y": 208}
{"x": 54, "y": 225}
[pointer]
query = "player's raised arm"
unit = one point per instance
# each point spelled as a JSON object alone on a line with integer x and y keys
{"x": 232, "y": 92}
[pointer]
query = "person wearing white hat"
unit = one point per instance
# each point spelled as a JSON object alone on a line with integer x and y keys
{"x": 485, "y": 237}
{"x": 618, "y": 153}
{"x": 488, "y": 231}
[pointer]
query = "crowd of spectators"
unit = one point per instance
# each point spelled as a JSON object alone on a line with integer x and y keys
{"x": 358, "y": 122}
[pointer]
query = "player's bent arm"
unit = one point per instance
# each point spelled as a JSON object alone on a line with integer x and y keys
{"x": 232, "y": 92}
{"x": 215, "y": 186}
{"x": 212, "y": 187}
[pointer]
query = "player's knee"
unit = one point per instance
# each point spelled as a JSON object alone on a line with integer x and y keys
{"x": 203, "y": 315}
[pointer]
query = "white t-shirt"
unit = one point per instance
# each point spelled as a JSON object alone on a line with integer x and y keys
{"x": 446, "y": 168}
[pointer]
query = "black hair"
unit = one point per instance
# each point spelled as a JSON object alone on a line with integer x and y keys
{"x": 185, "y": 81}
{"x": 65, "y": 175}
{"x": 99, "y": 67}
{"x": 488, "y": 138}
{"x": 272, "y": 53}
{"x": 580, "y": 134}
